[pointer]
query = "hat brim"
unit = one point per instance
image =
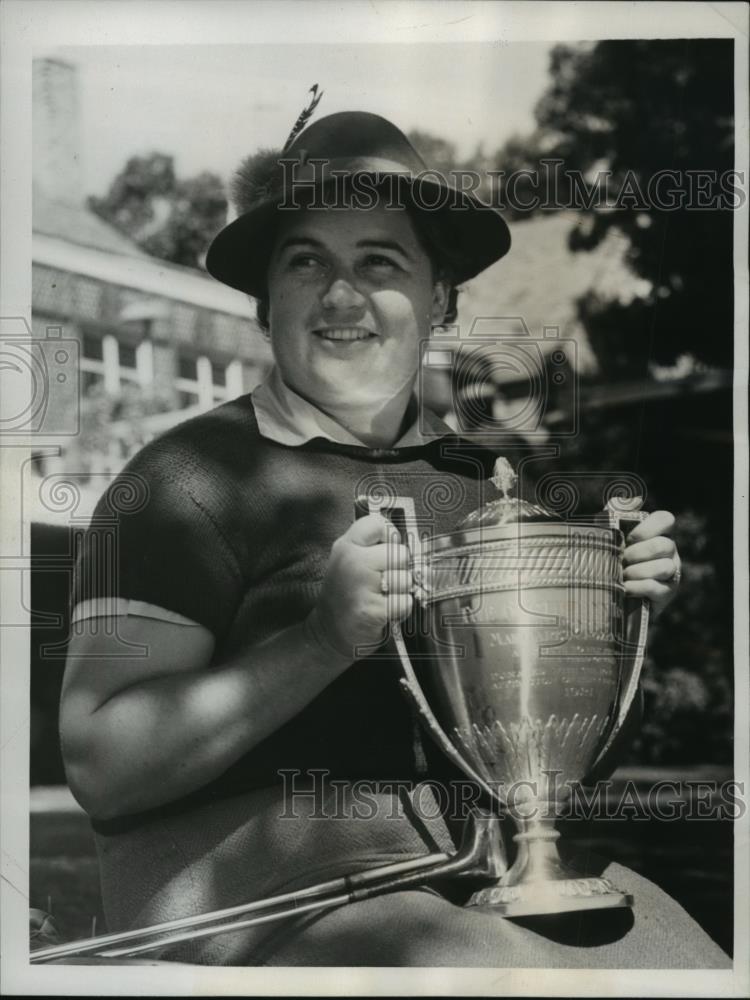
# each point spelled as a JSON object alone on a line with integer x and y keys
{"x": 476, "y": 233}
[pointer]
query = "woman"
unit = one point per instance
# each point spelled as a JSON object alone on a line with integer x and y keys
{"x": 255, "y": 604}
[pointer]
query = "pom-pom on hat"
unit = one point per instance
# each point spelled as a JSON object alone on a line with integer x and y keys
{"x": 310, "y": 168}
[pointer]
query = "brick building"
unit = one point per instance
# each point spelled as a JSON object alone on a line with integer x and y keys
{"x": 154, "y": 339}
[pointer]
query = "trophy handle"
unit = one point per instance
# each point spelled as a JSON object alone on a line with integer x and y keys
{"x": 636, "y": 628}
{"x": 634, "y": 653}
{"x": 404, "y": 506}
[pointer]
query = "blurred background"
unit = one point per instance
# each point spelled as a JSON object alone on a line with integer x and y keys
{"x": 133, "y": 151}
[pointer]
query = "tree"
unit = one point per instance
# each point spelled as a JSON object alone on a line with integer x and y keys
{"x": 636, "y": 109}
{"x": 170, "y": 218}
{"x": 624, "y": 111}
{"x": 439, "y": 154}
{"x": 520, "y": 164}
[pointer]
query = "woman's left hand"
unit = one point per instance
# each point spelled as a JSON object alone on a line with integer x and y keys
{"x": 652, "y": 565}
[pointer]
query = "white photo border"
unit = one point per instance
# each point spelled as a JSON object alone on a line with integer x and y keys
{"x": 28, "y": 25}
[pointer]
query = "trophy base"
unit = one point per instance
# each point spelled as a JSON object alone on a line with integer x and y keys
{"x": 540, "y": 882}
{"x": 539, "y": 898}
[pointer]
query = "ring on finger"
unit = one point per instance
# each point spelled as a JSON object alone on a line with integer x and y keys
{"x": 677, "y": 575}
{"x": 383, "y": 583}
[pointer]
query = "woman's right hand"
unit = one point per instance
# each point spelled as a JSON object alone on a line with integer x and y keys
{"x": 367, "y": 583}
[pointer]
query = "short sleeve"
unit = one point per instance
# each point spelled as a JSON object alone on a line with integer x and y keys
{"x": 154, "y": 538}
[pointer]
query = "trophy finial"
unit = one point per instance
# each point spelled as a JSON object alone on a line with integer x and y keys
{"x": 505, "y": 509}
{"x": 504, "y": 477}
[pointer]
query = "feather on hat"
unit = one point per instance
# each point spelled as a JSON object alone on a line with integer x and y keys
{"x": 259, "y": 174}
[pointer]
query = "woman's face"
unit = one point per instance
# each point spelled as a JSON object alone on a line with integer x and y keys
{"x": 350, "y": 296}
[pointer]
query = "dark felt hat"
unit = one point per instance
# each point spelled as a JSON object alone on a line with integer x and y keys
{"x": 349, "y": 143}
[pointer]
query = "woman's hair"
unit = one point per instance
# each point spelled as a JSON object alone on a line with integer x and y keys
{"x": 432, "y": 229}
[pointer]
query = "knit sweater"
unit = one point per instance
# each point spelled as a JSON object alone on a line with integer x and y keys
{"x": 234, "y": 531}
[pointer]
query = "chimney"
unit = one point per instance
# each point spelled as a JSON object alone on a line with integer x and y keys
{"x": 56, "y": 133}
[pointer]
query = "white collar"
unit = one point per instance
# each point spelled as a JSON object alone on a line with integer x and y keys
{"x": 285, "y": 417}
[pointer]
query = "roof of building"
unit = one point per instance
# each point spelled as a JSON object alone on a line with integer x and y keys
{"x": 78, "y": 224}
{"x": 73, "y": 238}
{"x": 541, "y": 278}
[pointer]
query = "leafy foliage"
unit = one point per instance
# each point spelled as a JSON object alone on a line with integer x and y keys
{"x": 438, "y": 154}
{"x": 636, "y": 109}
{"x": 633, "y": 109}
{"x": 172, "y": 219}
{"x": 103, "y": 412}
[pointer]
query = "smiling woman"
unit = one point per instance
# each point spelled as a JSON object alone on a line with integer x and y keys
{"x": 230, "y": 761}
{"x": 351, "y": 299}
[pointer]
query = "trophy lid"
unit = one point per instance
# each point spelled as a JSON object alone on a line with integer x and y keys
{"x": 506, "y": 509}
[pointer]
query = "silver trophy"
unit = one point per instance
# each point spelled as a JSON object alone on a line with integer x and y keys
{"x": 534, "y": 657}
